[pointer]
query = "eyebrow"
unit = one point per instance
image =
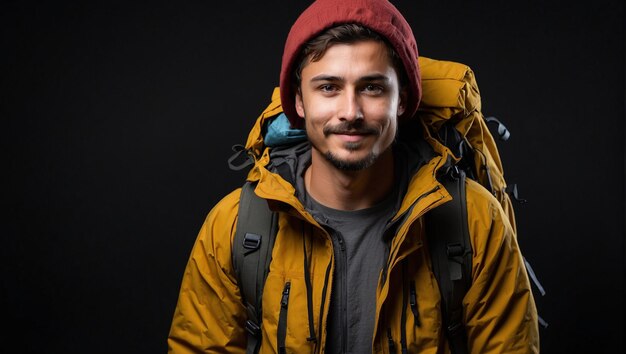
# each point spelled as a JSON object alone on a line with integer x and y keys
{"x": 375, "y": 77}
{"x": 324, "y": 77}
{"x": 366, "y": 78}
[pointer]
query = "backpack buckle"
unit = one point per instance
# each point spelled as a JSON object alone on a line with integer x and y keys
{"x": 251, "y": 241}
{"x": 454, "y": 329}
{"x": 454, "y": 250}
{"x": 252, "y": 328}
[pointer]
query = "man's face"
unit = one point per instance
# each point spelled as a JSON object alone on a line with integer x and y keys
{"x": 350, "y": 101}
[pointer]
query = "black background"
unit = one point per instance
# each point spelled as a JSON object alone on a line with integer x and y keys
{"x": 118, "y": 119}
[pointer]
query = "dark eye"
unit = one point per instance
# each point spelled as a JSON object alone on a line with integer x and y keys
{"x": 327, "y": 88}
{"x": 373, "y": 89}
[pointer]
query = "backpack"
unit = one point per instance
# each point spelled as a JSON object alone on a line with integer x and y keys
{"x": 450, "y": 112}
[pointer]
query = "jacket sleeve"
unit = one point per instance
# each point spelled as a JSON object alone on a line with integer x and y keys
{"x": 500, "y": 315}
{"x": 209, "y": 315}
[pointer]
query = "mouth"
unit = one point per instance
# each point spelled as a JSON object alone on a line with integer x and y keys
{"x": 351, "y": 136}
{"x": 351, "y": 133}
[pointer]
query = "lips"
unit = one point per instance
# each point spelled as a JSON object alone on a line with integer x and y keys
{"x": 351, "y": 137}
{"x": 352, "y": 133}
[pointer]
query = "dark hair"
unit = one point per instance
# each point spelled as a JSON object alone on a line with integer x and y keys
{"x": 348, "y": 33}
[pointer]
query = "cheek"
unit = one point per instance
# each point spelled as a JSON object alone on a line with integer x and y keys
{"x": 389, "y": 125}
{"x": 392, "y": 129}
{"x": 383, "y": 108}
{"x": 384, "y": 114}
{"x": 313, "y": 125}
{"x": 317, "y": 114}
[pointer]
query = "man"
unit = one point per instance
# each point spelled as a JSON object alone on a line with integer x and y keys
{"x": 349, "y": 251}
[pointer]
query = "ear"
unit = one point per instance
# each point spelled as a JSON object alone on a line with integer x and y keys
{"x": 402, "y": 100}
{"x": 299, "y": 104}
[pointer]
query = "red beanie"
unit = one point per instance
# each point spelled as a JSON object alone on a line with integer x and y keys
{"x": 378, "y": 15}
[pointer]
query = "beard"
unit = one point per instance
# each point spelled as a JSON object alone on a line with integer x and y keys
{"x": 357, "y": 127}
{"x": 358, "y": 165}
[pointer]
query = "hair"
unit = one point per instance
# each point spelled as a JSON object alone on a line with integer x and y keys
{"x": 348, "y": 33}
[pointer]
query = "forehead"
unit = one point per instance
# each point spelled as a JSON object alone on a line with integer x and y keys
{"x": 352, "y": 58}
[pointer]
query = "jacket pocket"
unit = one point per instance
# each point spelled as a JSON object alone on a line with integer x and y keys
{"x": 282, "y": 319}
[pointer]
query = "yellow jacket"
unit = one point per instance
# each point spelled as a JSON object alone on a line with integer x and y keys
{"x": 499, "y": 310}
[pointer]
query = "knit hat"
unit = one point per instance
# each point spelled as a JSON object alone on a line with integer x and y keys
{"x": 379, "y": 15}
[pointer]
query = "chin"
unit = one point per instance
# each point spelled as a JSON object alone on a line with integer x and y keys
{"x": 351, "y": 164}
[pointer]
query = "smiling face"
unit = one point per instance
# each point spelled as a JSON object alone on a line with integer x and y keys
{"x": 350, "y": 100}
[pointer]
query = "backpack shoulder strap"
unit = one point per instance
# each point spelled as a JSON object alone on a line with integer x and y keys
{"x": 251, "y": 254}
{"x": 451, "y": 254}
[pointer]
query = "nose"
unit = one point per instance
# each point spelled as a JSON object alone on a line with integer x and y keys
{"x": 351, "y": 107}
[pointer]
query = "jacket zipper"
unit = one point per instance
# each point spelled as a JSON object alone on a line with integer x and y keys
{"x": 282, "y": 319}
{"x": 386, "y": 266}
{"x": 403, "y": 345}
{"x": 324, "y": 290}
{"x": 322, "y": 323}
{"x": 343, "y": 306}
{"x": 392, "y": 345}
{"x": 413, "y": 303}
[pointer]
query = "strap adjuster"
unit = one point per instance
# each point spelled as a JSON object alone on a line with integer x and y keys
{"x": 252, "y": 328}
{"x": 454, "y": 329}
{"x": 454, "y": 250}
{"x": 251, "y": 241}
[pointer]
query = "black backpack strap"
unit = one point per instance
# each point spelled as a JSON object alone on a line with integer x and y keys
{"x": 451, "y": 254}
{"x": 252, "y": 253}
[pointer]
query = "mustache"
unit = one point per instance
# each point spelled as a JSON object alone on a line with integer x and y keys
{"x": 354, "y": 128}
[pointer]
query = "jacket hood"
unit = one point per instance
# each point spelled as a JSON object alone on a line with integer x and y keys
{"x": 379, "y": 15}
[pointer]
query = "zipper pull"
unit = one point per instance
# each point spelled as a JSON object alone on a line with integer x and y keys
{"x": 392, "y": 345}
{"x": 413, "y": 303}
{"x": 285, "y": 298}
{"x": 342, "y": 246}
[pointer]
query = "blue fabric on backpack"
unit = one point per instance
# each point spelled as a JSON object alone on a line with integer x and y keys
{"x": 279, "y": 132}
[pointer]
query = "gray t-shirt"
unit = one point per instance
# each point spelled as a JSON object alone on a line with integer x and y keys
{"x": 360, "y": 251}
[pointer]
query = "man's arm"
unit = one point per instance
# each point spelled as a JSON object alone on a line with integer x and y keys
{"x": 500, "y": 310}
{"x": 209, "y": 316}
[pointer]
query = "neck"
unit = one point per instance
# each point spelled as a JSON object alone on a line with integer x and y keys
{"x": 349, "y": 190}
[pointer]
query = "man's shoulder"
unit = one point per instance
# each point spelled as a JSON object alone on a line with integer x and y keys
{"x": 220, "y": 222}
{"x": 483, "y": 205}
{"x": 490, "y": 229}
{"x": 227, "y": 206}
